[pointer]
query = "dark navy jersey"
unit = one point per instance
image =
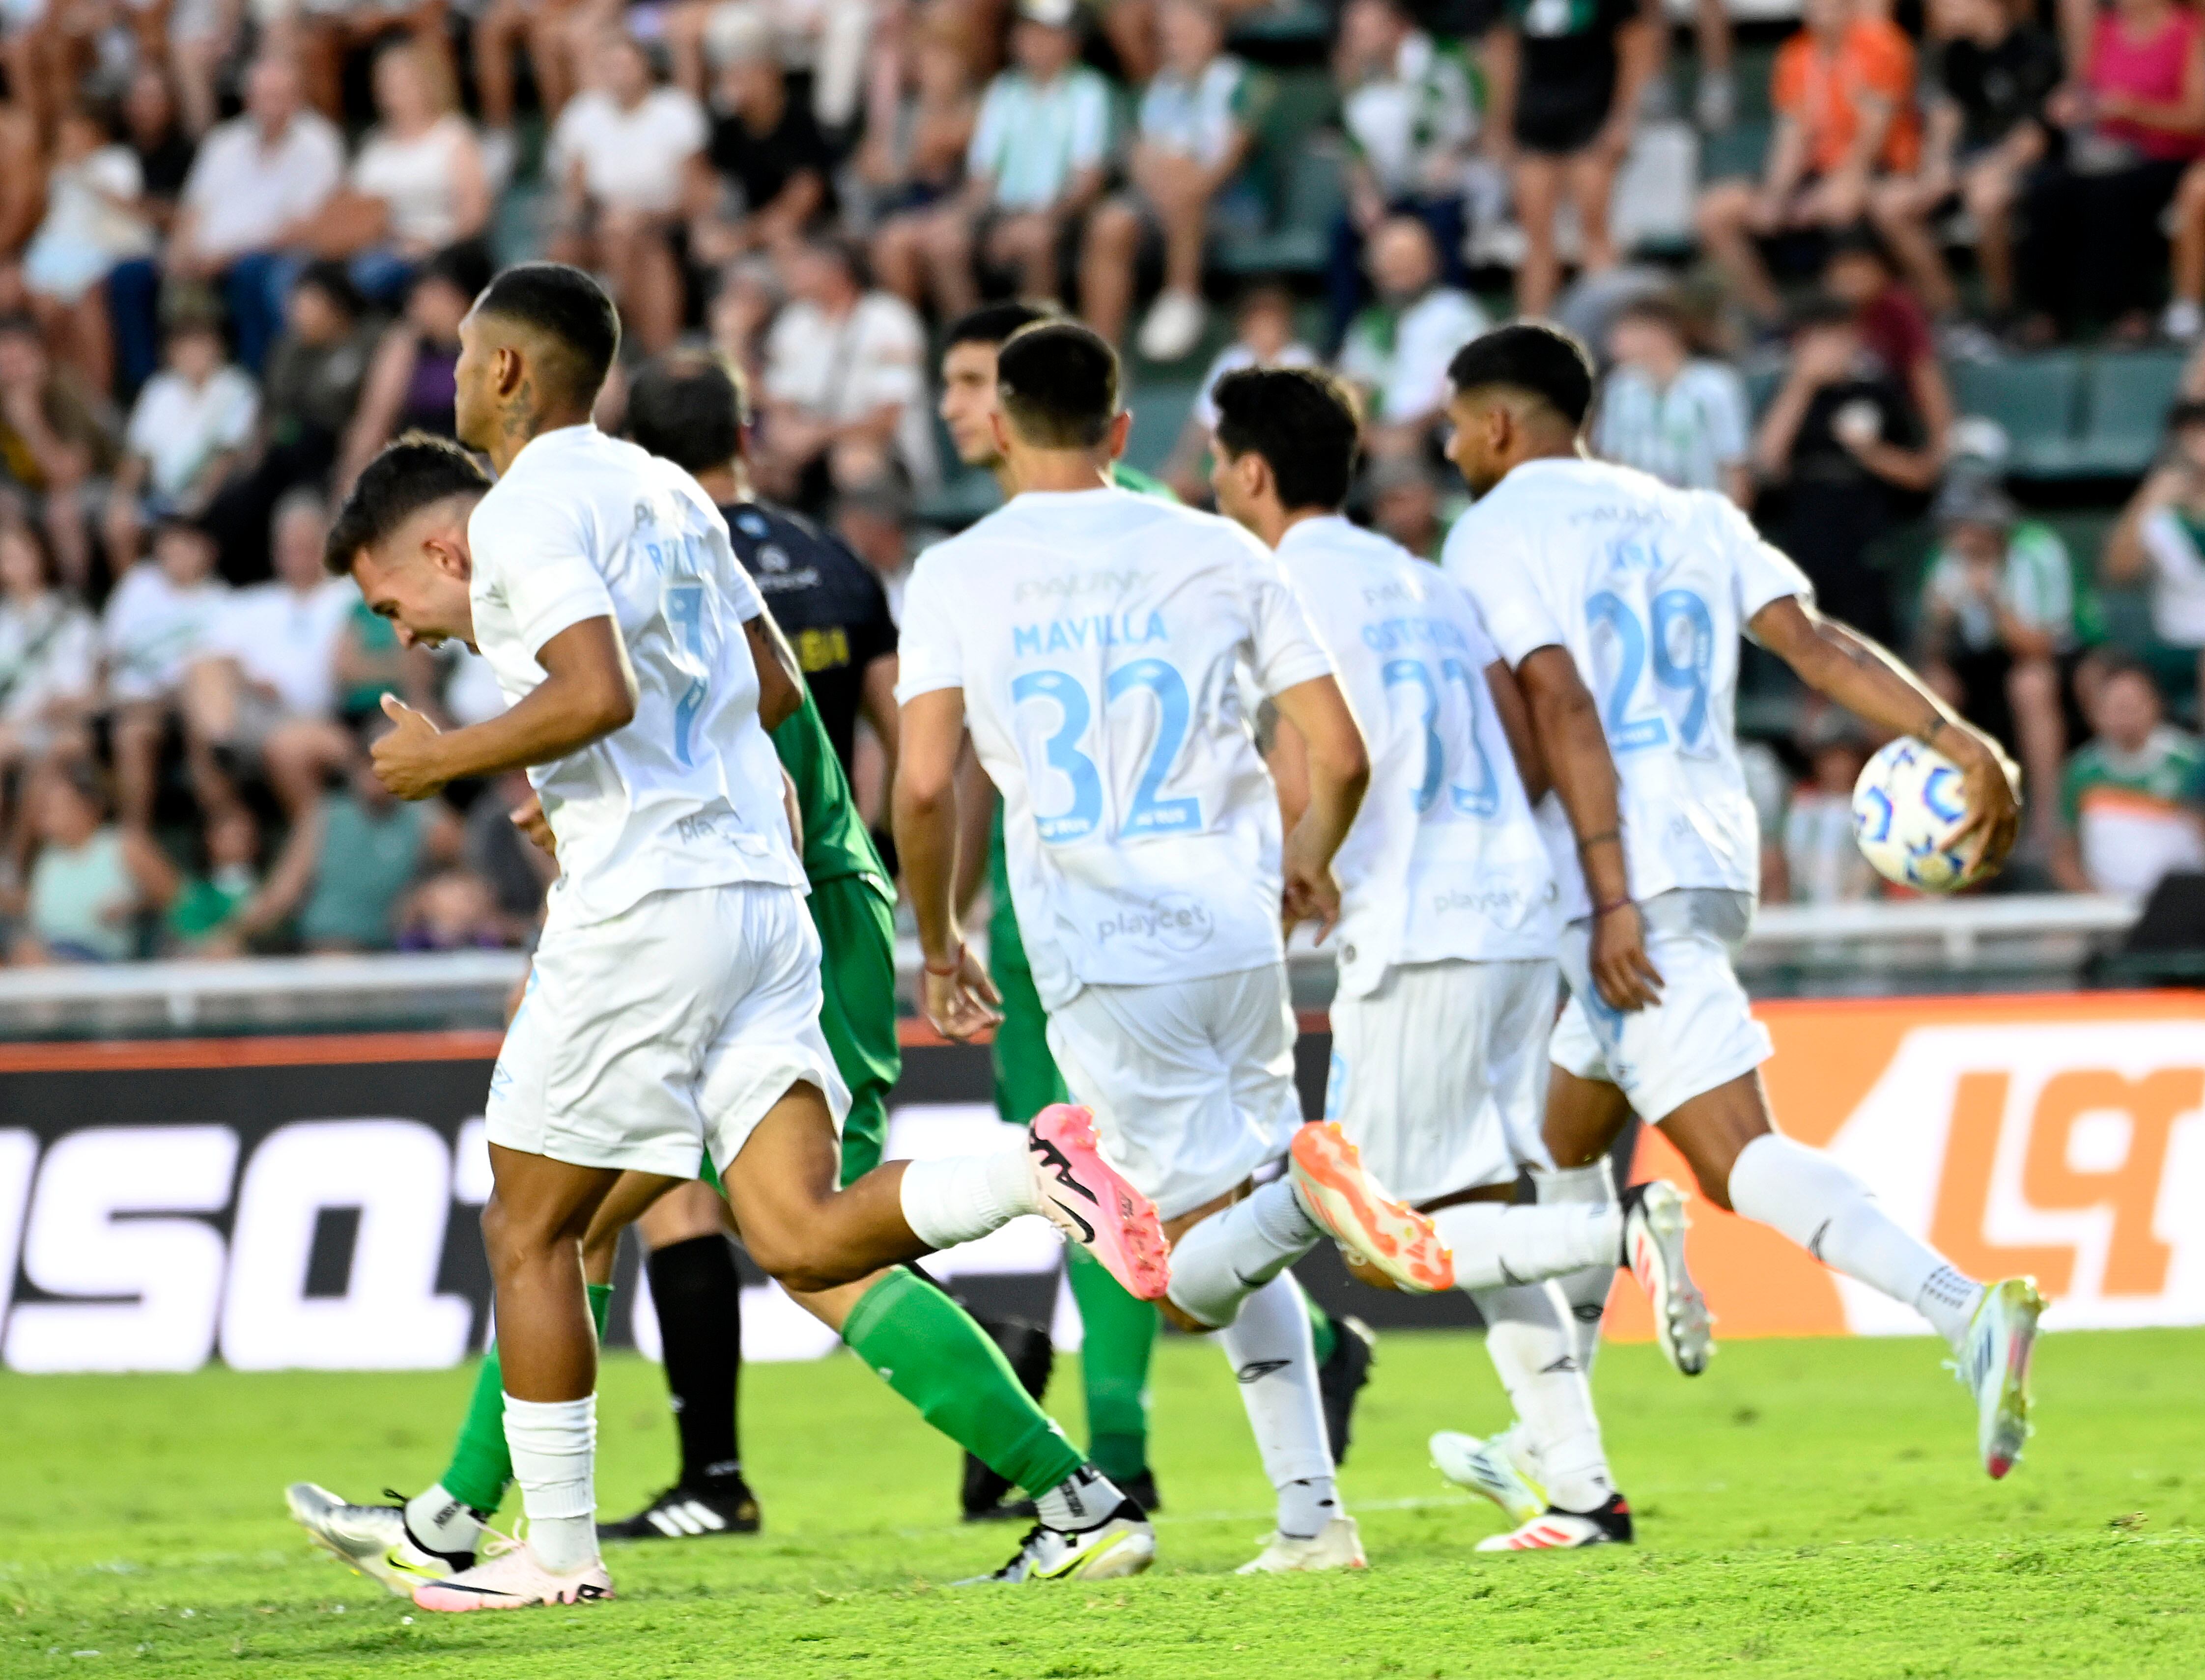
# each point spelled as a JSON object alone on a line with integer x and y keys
{"x": 826, "y": 599}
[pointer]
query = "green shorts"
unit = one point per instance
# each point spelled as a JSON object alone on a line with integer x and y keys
{"x": 855, "y": 914}
{"x": 1026, "y": 1079}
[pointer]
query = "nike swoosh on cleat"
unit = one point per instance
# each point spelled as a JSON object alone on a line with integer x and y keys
{"x": 1059, "y": 1164}
{"x": 1086, "y": 1230}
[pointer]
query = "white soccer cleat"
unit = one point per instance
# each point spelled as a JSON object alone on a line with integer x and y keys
{"x": 1123, "y": 1544}
{"x": 370, "y": 1539}
{"x": 1500, "y": 1467}
{"x": 1568, "y": 1530}
{"x": 1994, "y": 1364}
{"x": 511, "y": 1577}
{"x": 1654, "y": 1226}
{"x": 1355, "y": 1211}
{"x": 1338, "y": 1544}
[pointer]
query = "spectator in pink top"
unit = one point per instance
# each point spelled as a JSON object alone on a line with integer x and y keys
{"x": 2132, "y": 125}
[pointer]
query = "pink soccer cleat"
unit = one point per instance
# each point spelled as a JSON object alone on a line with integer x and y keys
{"x": 510, "y": 1578}
{"x": 1085, "y": 1199}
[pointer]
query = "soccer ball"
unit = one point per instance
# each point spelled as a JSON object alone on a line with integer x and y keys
{"x": 1907, "y": 807}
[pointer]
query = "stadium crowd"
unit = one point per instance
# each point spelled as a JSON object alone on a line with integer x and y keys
{"x": 237, "y": 242}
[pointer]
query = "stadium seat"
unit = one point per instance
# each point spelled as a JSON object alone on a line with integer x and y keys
{"x": 1160, "y": 408}
{"x": 2125, "y": 397}
{"x": 1298, "y": 165}
{"x": 2037, "y": 399}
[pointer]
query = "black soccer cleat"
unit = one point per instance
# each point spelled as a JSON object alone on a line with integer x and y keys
{"x": 1340, "y": 1379}
{"x": 723, "y": 1506}
{"x": 1031, "y": 1359}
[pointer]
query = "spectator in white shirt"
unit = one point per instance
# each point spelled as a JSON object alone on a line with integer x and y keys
{"x": 49, "y": 654}
{"x": 1398, "y": 350}
{"x": 1682, "y": 418}
{"x": 186, "y": 430}
{"x": 262, "y": 690}
{"x": 259, "y": 179}
{"x": 93, "y": 220}
{"x": 419, "y": 184}
{"x": 155, "y": 623}
{"x": 1198, "y": 127}
{"x": 1264, "y": 336}
{"x": 845, "y": 386}
{"x": 1036, "y": 164}
{"x": 620, "y": 153}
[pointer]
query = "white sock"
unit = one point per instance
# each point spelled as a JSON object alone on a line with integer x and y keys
{"x": 1495, "y": 1244}
{"x": 1829, "y": 1213}
{"x": 1082, "y": 1501}
{"x": 439, "y": 1520}
{"x": 955, "y": 1199}
{"x": 1221, "y": 1262}
{"x": 1528, "y": 1337}
{"x": 1269, "y": 1344}
{"x": 554, "y": 1444}
{"x": 1586, "y": 1290}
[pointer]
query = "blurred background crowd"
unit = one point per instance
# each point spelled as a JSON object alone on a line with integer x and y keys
{"x": 1915, "y": 280}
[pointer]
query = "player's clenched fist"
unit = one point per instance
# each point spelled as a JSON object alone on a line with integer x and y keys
{"x": 407, "y": 759}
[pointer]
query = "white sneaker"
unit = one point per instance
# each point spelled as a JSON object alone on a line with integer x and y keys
{"x": 2183, "y": 321}
{"x": 511, "y": 1577}
{"x": 370, "y": 1539}
{"x": 1124, "y": 1543}
{"x": 1354, "y": 1209}
{"x": 1498, "y": 1467}
{"x": 1338, "y": 1544}
{"x": 1654, "y": 1225}
{"x": 1994, "y": 1363}
{"x": 1568, "y": 1530}
{"x": 1173, "y": 326}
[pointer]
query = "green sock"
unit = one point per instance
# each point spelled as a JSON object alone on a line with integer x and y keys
{"x": 1118, "y": 1334}
{"x": 482, "y": 1465}
{"x": 928, "y": 1349}
{"x": 1324, "y": 1333}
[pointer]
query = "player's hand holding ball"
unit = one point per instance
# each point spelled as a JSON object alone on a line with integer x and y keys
{"x": 959, "y": 998}
{"x": 1940, "y": 813}
{"x": 405, "y": 757}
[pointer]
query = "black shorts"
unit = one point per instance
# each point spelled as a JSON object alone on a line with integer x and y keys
{"x": 1561, "y": 117}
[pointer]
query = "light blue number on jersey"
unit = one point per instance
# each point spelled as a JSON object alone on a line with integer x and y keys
{"x": 684, "y": 611}
{"x": 1147, "y": 815}
{"x": 1682, "y": 683}
{"x": 1480, "y": 798}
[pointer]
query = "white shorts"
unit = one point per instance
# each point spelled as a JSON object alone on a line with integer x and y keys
{"x": 1191, "y": 1084}
{"x": 666, "y": 1033}
{"x": 1700, "y": 1036}
{"x": 1439, "y": 1074}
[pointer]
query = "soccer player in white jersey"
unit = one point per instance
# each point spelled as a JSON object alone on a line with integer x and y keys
{"x": 1445, "y": 944}
{"x": 674, "y": 1003}
{"x": 1619, "y": 602}
{"x": 1092, "y": 638}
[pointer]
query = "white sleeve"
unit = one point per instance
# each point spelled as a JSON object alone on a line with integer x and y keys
{"x": 536, "y": 554}
{"x": 1760, "y": 570}
{"x": 1490, "y": 562}
{"x": 138, "y": 432}
{"x": 1482, "y": 653}
{"x": 2173, "y": 554}
{"x": 1284, "y": 649}
{"x": 927, "y": 657}
{"x": 987, "y": 132}
{"x": 1091, "y": 121}
{"x": 234, "y": 426}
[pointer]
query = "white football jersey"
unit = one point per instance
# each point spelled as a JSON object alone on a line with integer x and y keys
{"x": 689, "y": 793}
{"x": 1444, "y": 860}
{"x": 1096, "y": 634}
{"x": 1649, "y": 589}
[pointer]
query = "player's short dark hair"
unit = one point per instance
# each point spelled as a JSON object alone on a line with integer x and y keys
{"x": 1528, "y": 356}
{"x": 995, "y": 322}
{"x": 411, "y": 474}
{"x": 687, "y": 406}
{"x": 567, "y": 307}
{"x": 1302, "y": 420}
{"x": 1057, "y": 384}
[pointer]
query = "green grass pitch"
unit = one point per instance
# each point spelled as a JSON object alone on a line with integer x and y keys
{"x": 1806, "y": 1508}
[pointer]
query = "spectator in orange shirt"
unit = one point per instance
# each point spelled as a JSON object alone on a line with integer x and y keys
{"x": 1843, "y": 92}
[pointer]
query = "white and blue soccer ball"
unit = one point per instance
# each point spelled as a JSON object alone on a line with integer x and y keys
{"x": 1907, "y": 807}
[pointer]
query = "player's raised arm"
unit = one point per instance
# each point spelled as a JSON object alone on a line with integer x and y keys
{"x": 1566, "y": 728}
{"x": 1869, "y": 680}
